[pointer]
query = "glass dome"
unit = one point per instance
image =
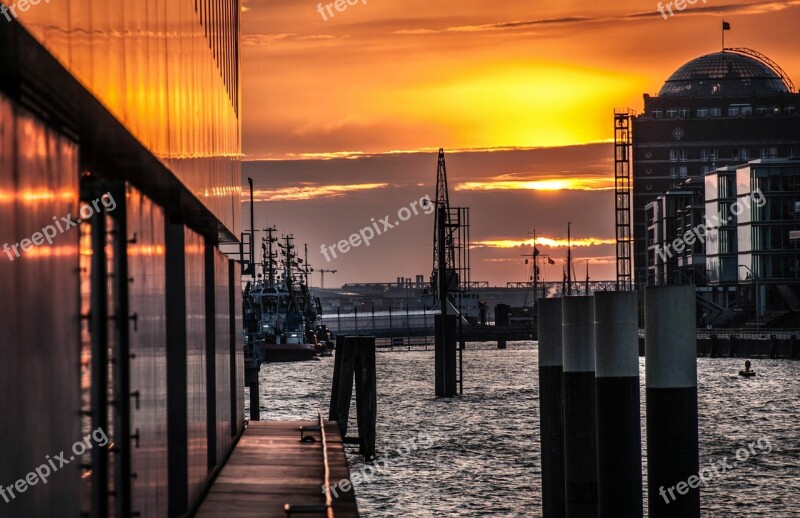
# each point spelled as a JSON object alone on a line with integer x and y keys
{"x": 724, "y": 73}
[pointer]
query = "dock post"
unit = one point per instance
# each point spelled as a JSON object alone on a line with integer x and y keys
{"x": 255, "y": 402}
{"x": 619, "y": 435}
{"x": 366, "y": 395}
{"x": 714, "y": 346}
{"x": 733, "y": 349}
{"x": 551, "y": 407}
{"x": 794, "y": 352}
{"x": 672, "y": 433}
{"x": 445, "y": 355}
{"x": 580, "y": 428}
{"x": 502, "y": 313}
{"x": 344, "y": 365}
{"x": 356, "y": 355}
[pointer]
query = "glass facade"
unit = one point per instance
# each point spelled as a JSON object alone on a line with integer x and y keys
{"x": 166, "y": 69}
{"x": 89, "y": 321}
{"x": 39, "y": 312}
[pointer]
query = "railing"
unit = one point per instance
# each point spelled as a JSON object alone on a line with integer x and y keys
{"x": 327, "y": 507}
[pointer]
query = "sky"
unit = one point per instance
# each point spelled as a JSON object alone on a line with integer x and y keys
{"x": 343, "y": 116}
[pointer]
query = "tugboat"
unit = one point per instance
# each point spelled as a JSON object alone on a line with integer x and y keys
{"x": 280, "y": 314}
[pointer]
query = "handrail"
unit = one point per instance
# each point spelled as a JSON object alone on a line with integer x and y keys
{"x": 328, "y": 499}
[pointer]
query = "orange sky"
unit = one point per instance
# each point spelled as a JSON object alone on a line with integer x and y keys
{"x": 402, "y": 76}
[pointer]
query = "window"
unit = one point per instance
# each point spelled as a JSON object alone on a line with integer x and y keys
{"x": 734, "y": 110}
{"x": 704, "y": 155}
{"x": 685, "y": 112}
{"x": 673, "y": 172}
{"x": 769, "y": 152}
{"x": 657, "y": 114}
{"x": 702, "y": 112}
{"x": 747, "y": 110}
{"x": 716, "y": 112}
{"x": 789, "y": 110}
{"x": 775, "y": 110}
{"x": 714, "y": 155}
{"x": 672, "y": 113}
{"x": 706, "y": 169}
{"x": 683, "y": 171}
{"x": 673, "y": 155}
{"x": 735, "y": 154}
{"x": 762, "y": 110}
{"x": 745, "y": 154}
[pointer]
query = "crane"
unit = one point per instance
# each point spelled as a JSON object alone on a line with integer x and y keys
{"x": 322, "y": 273}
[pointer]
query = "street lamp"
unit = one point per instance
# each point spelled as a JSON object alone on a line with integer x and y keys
{"x": 758, "y": 307}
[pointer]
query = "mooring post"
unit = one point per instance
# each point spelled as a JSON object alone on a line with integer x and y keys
{"x": 551, "y": 407}
{"x": 445, "y": 355}
{"x": 333, "y": 410}
{"x": 344, "y": 365}
{"x": 580, "y": 432}
{"x": 255, "y": 402}
{"x": 366, "y": 395}
{"x": 794, "y": 352}
{"x": 619, "y": 436}
{"x": 672, "y": 434}
{"x": 356, "y": 355}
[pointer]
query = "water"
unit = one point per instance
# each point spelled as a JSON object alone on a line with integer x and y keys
{"x": 483, "y": 458}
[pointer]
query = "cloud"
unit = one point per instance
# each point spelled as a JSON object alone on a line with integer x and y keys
{"x": 308, "y": 192}
{"x": 730, "y": 9}
{"x": 541, "y": 184}
{"x": 546, "y": 242}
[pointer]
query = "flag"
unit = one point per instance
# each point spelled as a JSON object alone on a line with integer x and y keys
{"x": 535, "y": 251}
{"x": 726, "y": 26}
{"x": 550, "y": 261}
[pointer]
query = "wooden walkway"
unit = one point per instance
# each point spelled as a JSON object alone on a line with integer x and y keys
{"x": 270, "y": 467}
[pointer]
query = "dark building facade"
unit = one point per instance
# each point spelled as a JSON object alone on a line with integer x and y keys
{"x": 721, "y": 109}
{"x": 120, "y": 333}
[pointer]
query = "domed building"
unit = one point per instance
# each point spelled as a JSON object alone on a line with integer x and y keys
{"x": 719, "y": 110}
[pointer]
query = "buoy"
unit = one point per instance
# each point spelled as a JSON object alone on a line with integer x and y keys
{"x": 747, "y": 373}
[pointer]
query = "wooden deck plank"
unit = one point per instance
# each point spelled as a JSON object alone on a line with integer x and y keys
{"x": 270, "y": 467}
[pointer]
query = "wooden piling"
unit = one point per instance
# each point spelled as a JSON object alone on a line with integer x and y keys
{"x": 355, "y": 356}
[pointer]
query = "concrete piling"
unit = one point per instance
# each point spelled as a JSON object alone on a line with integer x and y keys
{"x": 619, "y": 438}
{"x": 551, "y": 407}
{"x": 672, "y": 433}
{"x": 580, "y": 437}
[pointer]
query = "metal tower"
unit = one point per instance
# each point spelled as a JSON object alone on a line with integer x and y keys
{"x": 442, "y": 201}
{"x": 623, "y": 140}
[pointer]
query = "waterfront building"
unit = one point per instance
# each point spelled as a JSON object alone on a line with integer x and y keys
{"x": 126, "y": 322}
{"x": 721, "y": 109}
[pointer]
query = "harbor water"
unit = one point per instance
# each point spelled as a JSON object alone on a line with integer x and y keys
{"x": 477, "y": 455}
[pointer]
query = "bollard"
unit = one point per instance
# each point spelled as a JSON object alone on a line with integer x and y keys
{"x": 672, "y": 435}
{"x": 580, "y": 435}
{"x": 551, "y": 407}
{"x": 619, "y": 436}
